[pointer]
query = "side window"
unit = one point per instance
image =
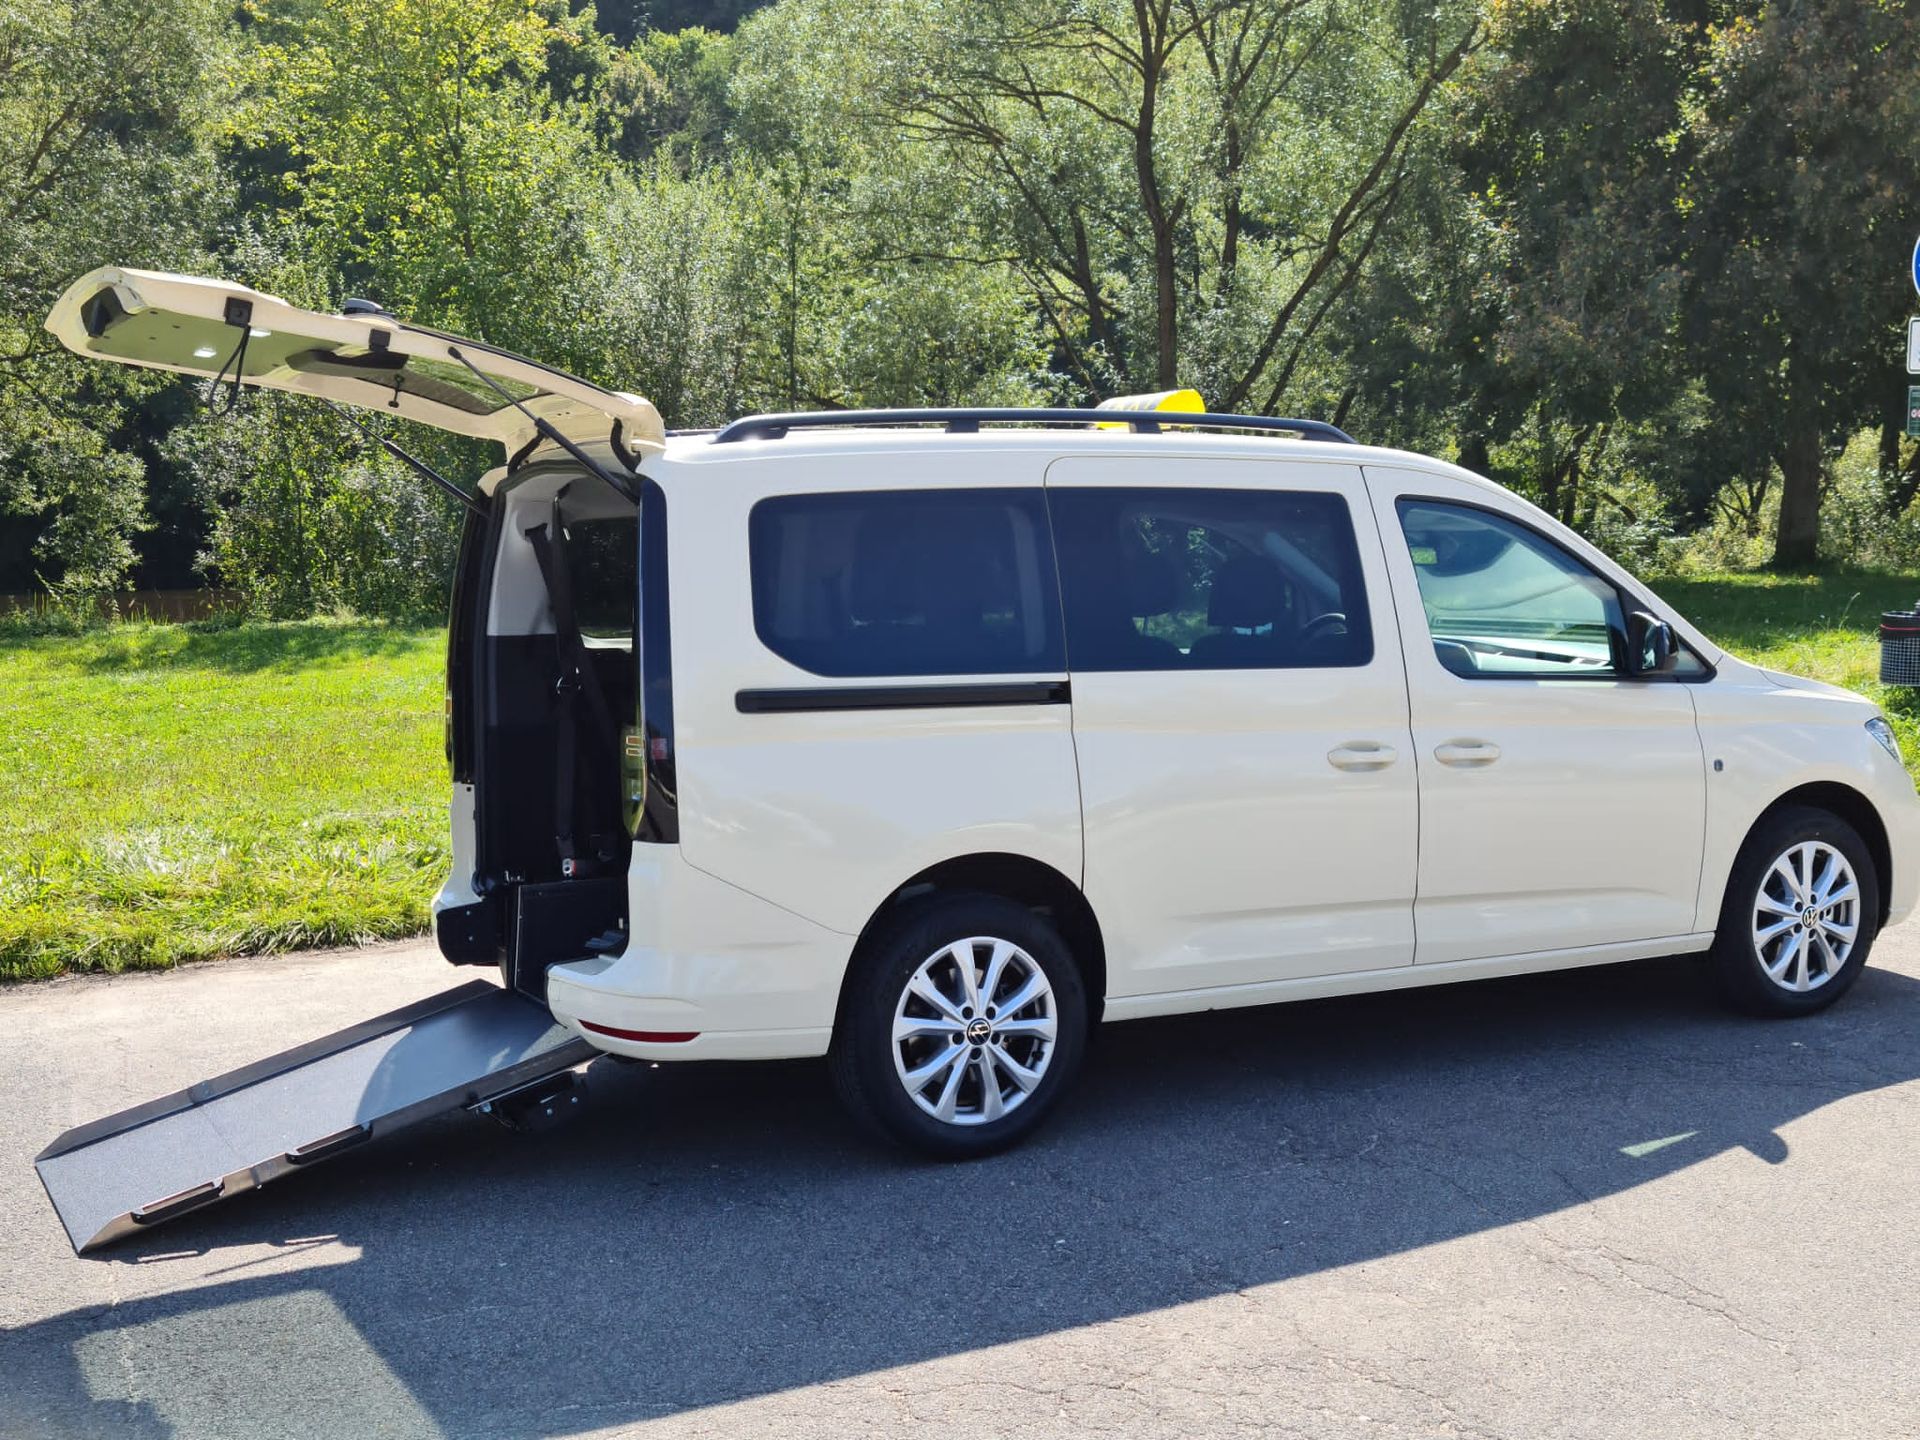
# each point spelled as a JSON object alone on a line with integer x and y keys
{"x": 907, "y": 582}
{"x": 1503, "y": 601}
{"x": 1180, "y": 579}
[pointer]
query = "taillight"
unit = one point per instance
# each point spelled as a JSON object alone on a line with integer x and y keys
{"x": 647, "y": 1037}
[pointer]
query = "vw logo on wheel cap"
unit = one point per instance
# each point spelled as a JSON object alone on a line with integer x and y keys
{"x": 978, "y": 1029}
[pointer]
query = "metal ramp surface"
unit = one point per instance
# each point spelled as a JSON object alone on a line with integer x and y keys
{"x": 471, "y": 1044}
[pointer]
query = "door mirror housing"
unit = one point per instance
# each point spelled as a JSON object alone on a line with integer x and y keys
{"x": 1650, "y": 644}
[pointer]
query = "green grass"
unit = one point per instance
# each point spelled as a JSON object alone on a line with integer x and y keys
{"x": 172, "y": 793}
{"x": 1825, "y": 627}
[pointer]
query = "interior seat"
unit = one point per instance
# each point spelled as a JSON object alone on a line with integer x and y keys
{"x": 1248, "y": 610}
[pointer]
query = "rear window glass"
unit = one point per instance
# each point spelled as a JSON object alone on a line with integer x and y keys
{"x": 603, "y": 564}
{"x": 1191, "y": 579}
{"x": 916, "y": 582}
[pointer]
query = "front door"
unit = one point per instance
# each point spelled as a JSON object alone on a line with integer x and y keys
{"x": 1562, "y": 803}
{"x": 1239, "y": 719}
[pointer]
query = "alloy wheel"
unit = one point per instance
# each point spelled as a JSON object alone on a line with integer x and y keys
{"x": 974, "y": 1031}
{"x": 1806, "y": 916}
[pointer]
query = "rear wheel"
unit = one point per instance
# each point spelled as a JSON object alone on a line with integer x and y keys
{"x": 964, "y": 1022}
{"x": 1799, "y": 914}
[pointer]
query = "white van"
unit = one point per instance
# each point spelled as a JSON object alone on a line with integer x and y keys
{"x": 926, "y": 740}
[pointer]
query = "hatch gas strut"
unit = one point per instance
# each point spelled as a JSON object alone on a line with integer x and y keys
{"x": 546, "y": 429}
{"x": 413, "y": 462}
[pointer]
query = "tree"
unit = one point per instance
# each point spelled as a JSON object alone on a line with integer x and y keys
{"x": 1801, "y": 212}
{"x": 1144, "y": 169}
{"x": 102, "y": 104}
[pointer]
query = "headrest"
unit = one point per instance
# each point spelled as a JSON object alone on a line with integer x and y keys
{"x": 1150, "y": 580}
{"x": 1248, "y": 592}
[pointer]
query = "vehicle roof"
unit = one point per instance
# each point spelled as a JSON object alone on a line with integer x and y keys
{"x": 698, "y": 448}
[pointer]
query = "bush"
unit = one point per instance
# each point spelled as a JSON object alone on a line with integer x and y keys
{"x": 309, "y": 519}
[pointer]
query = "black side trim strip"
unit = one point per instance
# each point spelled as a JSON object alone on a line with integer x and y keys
{"x": 901, "y": 697}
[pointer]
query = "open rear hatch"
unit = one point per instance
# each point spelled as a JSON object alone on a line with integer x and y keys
{"x": 230, "y": 334}
{"x": 478, "y": 1045}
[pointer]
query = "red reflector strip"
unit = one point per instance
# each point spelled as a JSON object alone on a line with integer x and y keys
{"x": 650, "y": 1037}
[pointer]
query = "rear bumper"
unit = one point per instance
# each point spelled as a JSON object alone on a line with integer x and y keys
{"x": 595, "y": 997}
{"x": 745, "y": 979}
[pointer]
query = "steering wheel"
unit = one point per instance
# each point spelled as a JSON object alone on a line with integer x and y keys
{"x": 1333, "y": 622}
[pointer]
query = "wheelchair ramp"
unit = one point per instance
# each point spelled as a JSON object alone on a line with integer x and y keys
{"x": 478, "y": 1042}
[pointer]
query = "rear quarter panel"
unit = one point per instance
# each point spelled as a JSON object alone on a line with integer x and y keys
{"x": 826, "y": 813}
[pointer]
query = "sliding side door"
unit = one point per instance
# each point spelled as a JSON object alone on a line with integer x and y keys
{"x": 1240, "y": 720}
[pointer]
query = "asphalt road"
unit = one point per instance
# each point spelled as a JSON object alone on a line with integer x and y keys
{"x": 1432, "y": 1214}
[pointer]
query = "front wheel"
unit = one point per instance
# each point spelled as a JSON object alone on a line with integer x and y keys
{"x": 964, "y": 1022}
{"x": 1799, "y": 916}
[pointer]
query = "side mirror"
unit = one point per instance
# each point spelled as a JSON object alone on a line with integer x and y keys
{"x": 1650, "y": 644}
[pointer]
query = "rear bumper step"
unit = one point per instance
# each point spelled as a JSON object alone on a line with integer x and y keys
{"x": 465, "y": 1047}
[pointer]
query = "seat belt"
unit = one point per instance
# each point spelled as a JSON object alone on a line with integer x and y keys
{"x": 577, "y": 677}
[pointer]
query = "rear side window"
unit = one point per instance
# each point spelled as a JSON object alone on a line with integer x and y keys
{"x": 907, "y": 582}
{"x": 1183, "y": 579}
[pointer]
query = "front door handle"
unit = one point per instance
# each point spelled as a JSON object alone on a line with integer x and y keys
{"x": 1467, "y": 754}
{"x": 1362, "y": 755}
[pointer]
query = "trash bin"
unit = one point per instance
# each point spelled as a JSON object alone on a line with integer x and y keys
{"x": 1900, "y": 647}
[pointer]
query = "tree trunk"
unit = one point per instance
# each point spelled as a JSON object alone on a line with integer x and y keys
{"x": 1146, "y": 172}
{"x": 1906, "y": 484}
{"x": 1797, "y": 542}
{"x": 1166, "y": 338}
{"x": 1892, "y": 426}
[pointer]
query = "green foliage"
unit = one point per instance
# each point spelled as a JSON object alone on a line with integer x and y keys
{"x": 1799, "y": 208}
{"x": 178, "y": 792}
{"x": 1641, "y": 261}
{"x": 1181, "y": 192}
{"x": 309, "y": 519}
{"x": 669, "y": 93}
{"x": 429, "y": 160}
{"x": 101, "y": 108}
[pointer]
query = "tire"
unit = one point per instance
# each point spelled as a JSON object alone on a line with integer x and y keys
{"x": 898, "y": 1088}
{"x": 1780, "y": 950}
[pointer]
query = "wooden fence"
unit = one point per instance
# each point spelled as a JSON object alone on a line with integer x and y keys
{"x": 140, "y": 604}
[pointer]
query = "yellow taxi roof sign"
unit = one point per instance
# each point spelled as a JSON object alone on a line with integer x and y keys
{"x": 1184, "y": 401}
{"x": 1188, "y": 401}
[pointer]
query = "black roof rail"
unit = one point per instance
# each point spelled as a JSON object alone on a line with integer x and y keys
{"x": 969, "y": 421}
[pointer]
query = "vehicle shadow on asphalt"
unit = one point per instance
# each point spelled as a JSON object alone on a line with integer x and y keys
{"x": 707, "y": 1234}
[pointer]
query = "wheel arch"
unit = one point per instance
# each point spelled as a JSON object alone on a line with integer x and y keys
{"x": 1024, "y": 880}
{"x": 1859, "y": 812}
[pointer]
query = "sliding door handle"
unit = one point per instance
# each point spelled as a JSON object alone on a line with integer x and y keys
{"x": 1362, "y": 755}
{"x": 1467, "y": 754}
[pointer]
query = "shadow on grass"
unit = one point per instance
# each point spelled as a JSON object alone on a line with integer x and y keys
{"x": 253, "y": 648}
{"x": 708, "y": 1234}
